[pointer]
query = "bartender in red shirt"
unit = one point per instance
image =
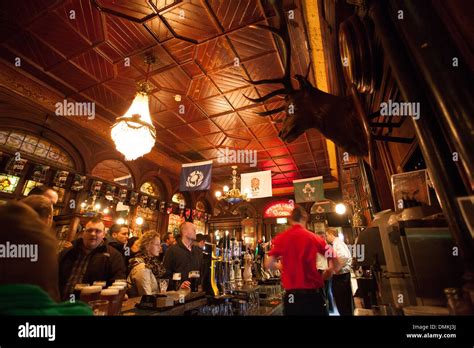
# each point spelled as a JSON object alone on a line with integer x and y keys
{"x": 296, "y": 248}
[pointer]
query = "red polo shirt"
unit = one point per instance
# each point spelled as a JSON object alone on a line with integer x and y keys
{"x": 297, "y": 248}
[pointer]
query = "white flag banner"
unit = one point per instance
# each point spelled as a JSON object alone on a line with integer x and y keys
{"x": 259, "y": 184}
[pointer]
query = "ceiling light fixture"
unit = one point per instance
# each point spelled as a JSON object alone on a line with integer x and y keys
{"x": 232, "y": 195}
{"x": 134, "y": 134}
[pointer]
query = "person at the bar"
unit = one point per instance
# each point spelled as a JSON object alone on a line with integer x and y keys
{"x": 89, "y": 259}
{"x": 341, "y": 281}
{"x": 119, "y": 234}
{"x": 200, "y": 241}
{"x": 168, "y": 240}
{"x": 43, "y": 207}
{"x": 297, "y": 249}
{"x": 183, "y": 257}
{"x": 322, "y": 265}
{"x": 131, "y": 250}
{"x": 145, "y": 267}
{"x": 48, "y": 192}
{"x": 29, "y": 286}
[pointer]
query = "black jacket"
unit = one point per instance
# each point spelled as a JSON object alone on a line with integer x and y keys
{"x": 106, "y": 263}
{"x": 121, "y": 249}
{"x": 178, "y": 259}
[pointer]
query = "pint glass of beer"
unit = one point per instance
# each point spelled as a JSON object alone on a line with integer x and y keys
{"x": 122, "y": 288}
{"x": 100, "y": 283}
{"x": 113, "y": 296}
{"x": 77, "y": 290}
{"x": 177, "y": 280}
{"x": 99, "y": 307}
{"x": 194, "y": 280}
{"x": 90, "y": 293}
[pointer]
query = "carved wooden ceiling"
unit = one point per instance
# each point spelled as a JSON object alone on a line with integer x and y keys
{"x": 204, "y": 49}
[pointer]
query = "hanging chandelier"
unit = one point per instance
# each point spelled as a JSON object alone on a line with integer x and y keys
{"x": 134, "y": 134}
{"x": 233, "y": 195}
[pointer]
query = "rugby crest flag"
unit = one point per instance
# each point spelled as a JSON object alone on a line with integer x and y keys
{"x": 196, "y": 176}
{"x": 309, "y": 190}
{"x": 258, "y": 184}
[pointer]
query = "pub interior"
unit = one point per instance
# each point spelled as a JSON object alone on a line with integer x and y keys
{"x": 183, "y": 145}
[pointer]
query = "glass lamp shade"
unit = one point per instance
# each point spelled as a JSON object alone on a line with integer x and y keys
{"x": 134, "y": 139}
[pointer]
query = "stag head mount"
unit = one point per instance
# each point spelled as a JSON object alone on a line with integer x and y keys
{"x": 308, "y": 107}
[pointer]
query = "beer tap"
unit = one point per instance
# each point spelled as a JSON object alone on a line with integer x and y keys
{"x": 215, "y": 260}
{"x": 237, "y": 262}
{"x": 231, "y": 260}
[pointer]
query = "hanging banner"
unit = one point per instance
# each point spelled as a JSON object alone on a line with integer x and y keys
{"x": 309, "y": 190}
{"x": 79, "y": 182}
{"x": 196, "y": 176}
{"x": 259, "y": 184}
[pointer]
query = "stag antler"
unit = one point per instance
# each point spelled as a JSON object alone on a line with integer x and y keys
{"x": 341, "y": 119}
{"x": 332, "y": 115}
{"x": 282, "y": 33}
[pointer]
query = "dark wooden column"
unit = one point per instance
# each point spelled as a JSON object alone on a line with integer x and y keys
{"x": 444, "y": 174}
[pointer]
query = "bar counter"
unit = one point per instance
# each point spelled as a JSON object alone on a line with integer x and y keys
{"x": 192, "y": 301}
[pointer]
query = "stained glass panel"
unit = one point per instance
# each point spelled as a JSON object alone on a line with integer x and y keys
{"x": 30, "y": 185}
{"x": 35, "y": 146}
{"x": 8, "y": 183}
{"x": 150, "y": 189}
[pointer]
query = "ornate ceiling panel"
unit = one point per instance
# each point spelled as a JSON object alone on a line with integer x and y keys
{"x": 204, "y": 51}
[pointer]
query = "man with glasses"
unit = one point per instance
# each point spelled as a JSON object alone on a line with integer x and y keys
{"x": 89, "y": 259}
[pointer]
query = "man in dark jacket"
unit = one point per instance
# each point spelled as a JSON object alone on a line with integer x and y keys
{"x": 183, "y": 257}
{"x": 119, "y": 239}
{"x": 90, "y": 259}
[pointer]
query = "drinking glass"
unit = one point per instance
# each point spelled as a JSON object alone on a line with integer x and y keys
{"x": 114, "y": 298}
{"x": 77, "y": 290}
{"x": 99, "y": 307}
{"x": 90, "y": 293}
{"x": 163, "y": 285}
{"x": 101, "y": 283}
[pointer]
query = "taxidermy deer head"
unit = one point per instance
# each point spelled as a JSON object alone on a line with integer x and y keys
{"x": 308, "y": 107}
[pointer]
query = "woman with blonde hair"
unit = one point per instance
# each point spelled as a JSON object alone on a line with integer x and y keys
{"x": 145, "y": 268}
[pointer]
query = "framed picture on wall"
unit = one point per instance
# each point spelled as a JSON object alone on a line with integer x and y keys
{"x": 410, "y": 189}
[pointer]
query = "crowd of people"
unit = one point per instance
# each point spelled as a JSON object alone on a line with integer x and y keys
{"x": 315, "y": 270}
{"x": 95, "y": 256}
